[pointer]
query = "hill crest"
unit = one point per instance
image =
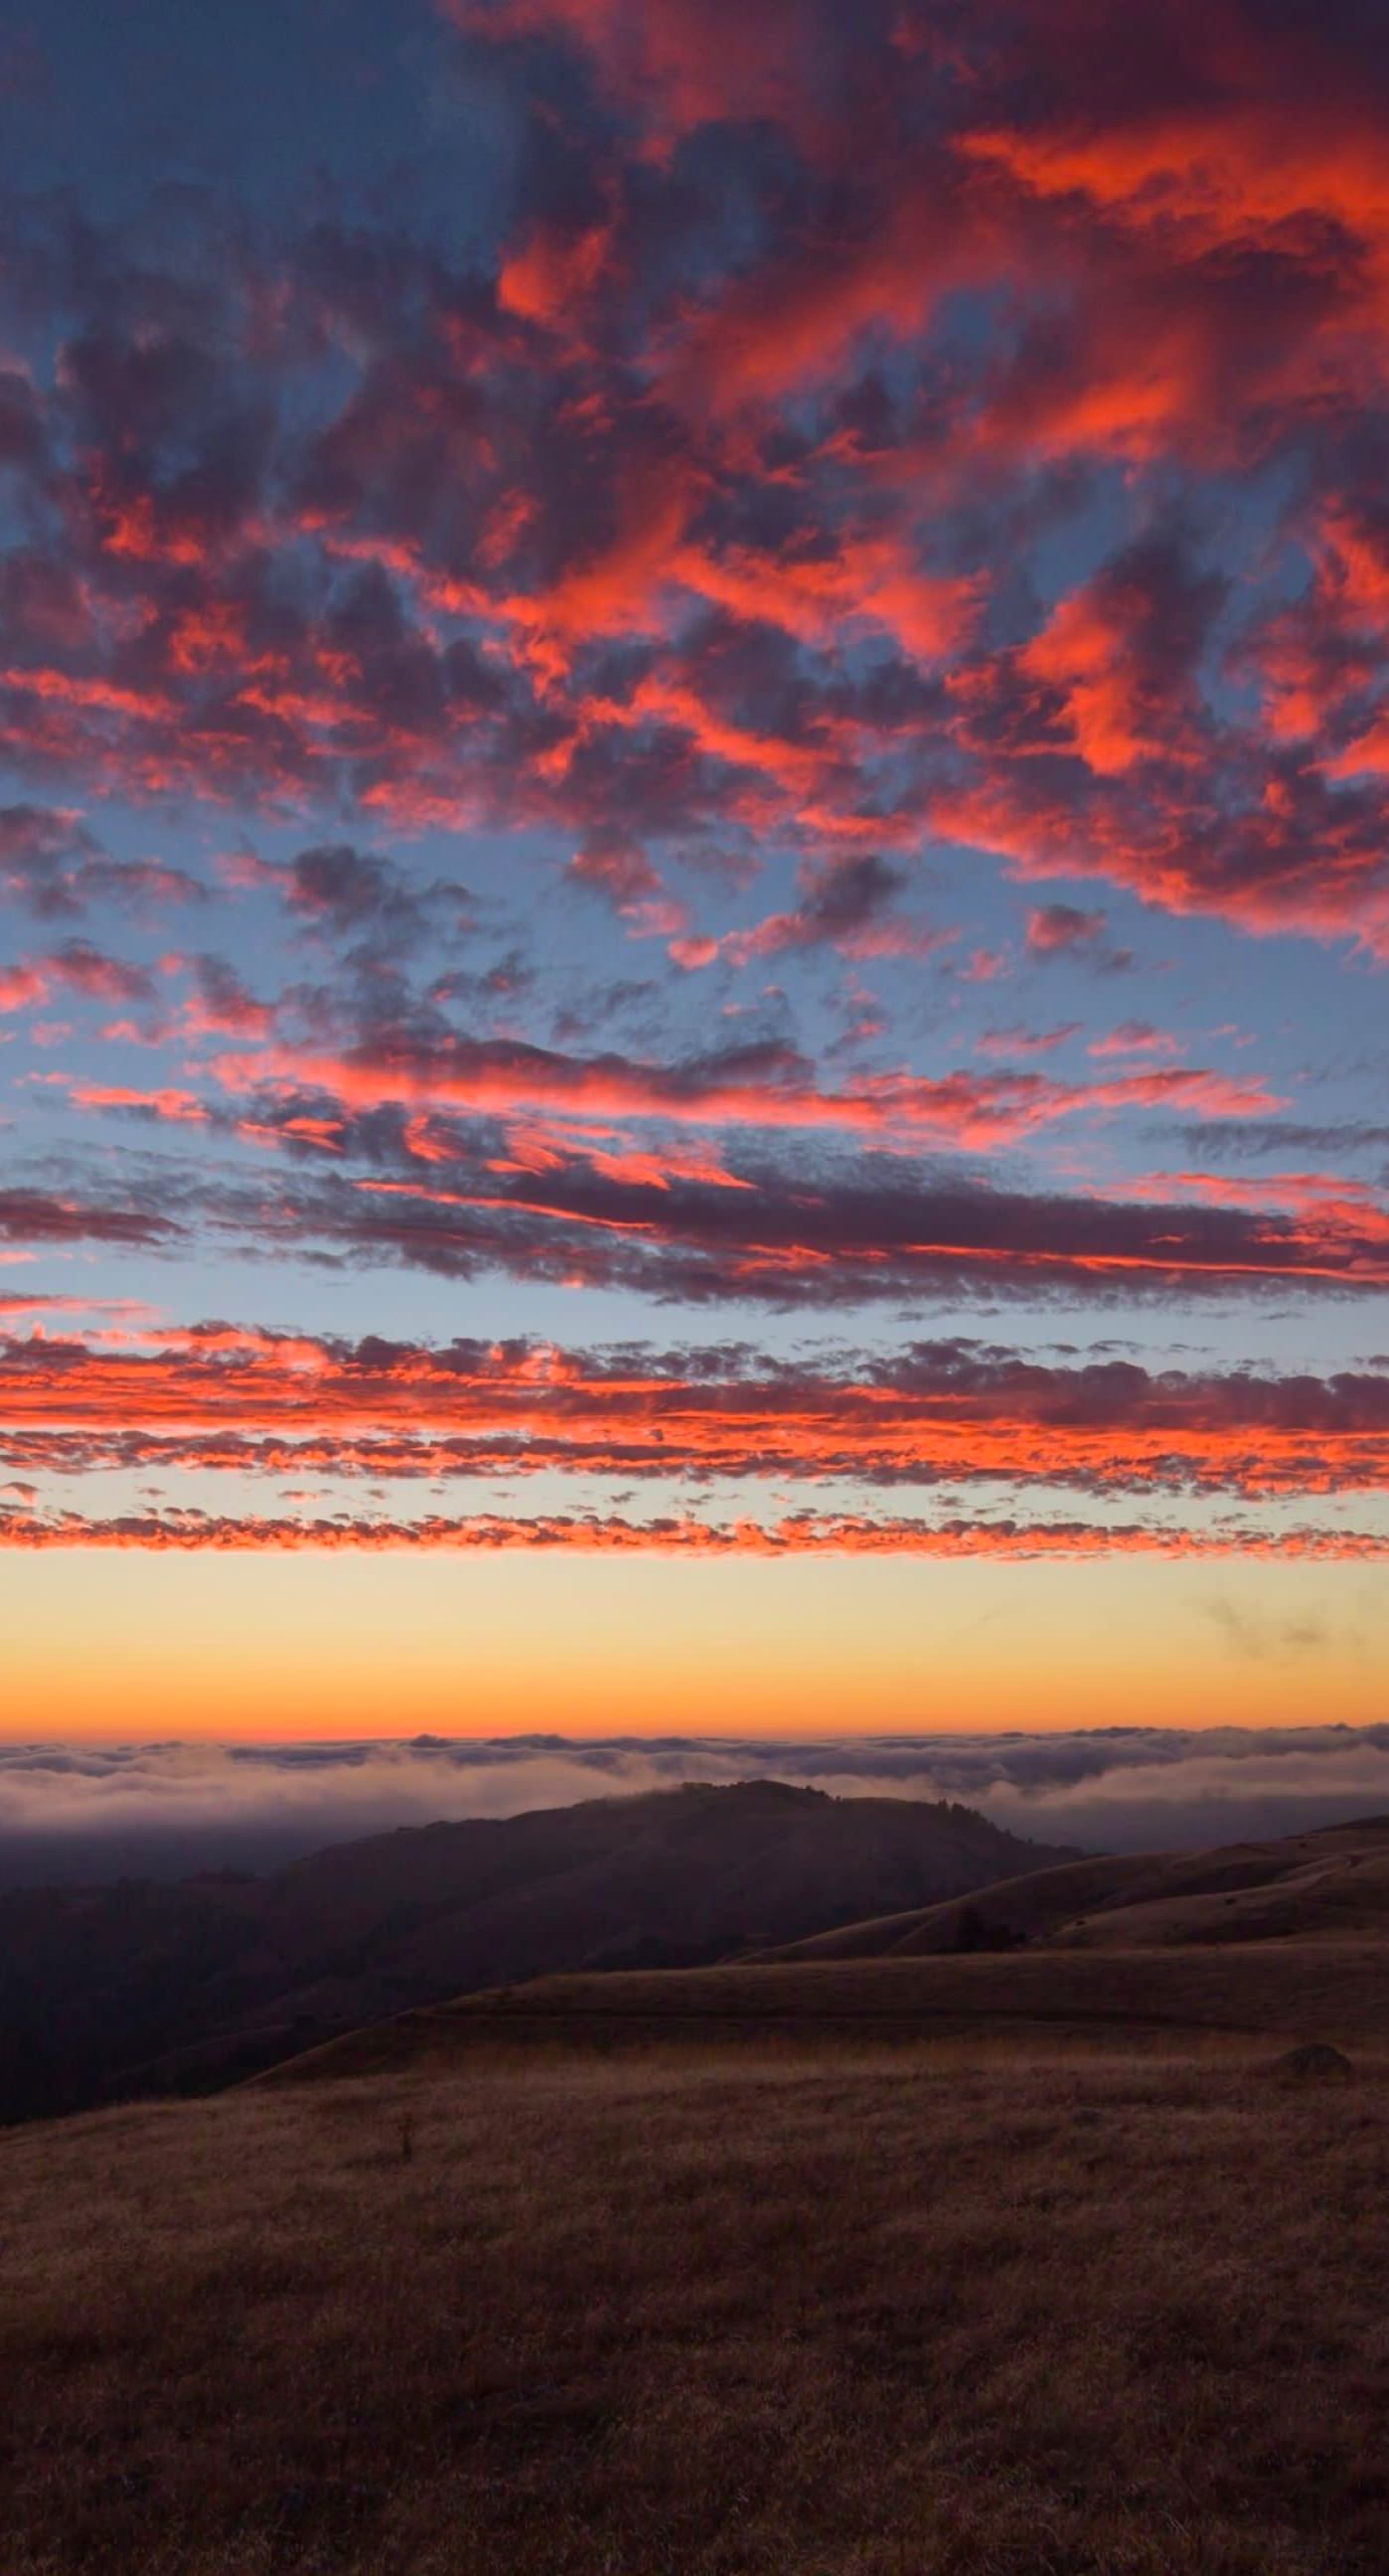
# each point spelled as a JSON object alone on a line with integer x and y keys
{"x": 154, "y": 1986}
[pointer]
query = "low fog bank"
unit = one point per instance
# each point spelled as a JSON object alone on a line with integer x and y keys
{"x": 75, "y": 1812}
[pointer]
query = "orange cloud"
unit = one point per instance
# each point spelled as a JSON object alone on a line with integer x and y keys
{"x": 842, "y": 1535}
{"x": 761, "y": 1089}
{"x": 942, "y": 1412}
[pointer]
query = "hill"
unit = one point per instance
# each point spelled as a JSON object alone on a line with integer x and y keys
{"x": 107, "y": 1992}
{"x": 1333, "y": 1881}
{"x": 963, "y": 2260}
{"x": 1037, "y": 1999}
{"x": 857, "y": 2312}
{"x": 1289, "y": 1937}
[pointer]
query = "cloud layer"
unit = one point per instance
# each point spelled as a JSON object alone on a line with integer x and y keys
{"x": 75, "y": 1810}
{"x": 230, "y": 1400}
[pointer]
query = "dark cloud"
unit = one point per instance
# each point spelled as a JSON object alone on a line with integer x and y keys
{"x": 1062, "y": 930}
{"x": 32, "y": 1216}
{"x": 469, "y": 1158}
{"x": 877, "y": 1229}
{"x": 1252, "y": 1139}
{"x": 223, "y": 1005}
{"x": 360, "y": 900}
{"x": 80, "y": 967}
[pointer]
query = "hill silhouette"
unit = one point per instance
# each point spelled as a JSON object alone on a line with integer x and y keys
{"x": 1246, "y": 1940}
{"x": 146, "y": 1987}
{"x": 1335, "y": 1880}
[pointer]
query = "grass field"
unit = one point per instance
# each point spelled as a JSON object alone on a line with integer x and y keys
{"x": 1334, "y": 1882}
{"x": 1317, "y": 1989}
{"x": 884, "y": 2312}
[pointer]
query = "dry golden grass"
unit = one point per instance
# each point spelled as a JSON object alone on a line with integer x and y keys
{"x": 1316, "y": 1988}
{"x": 1334, "y": 1882}
{"x": 890, "y": 2313}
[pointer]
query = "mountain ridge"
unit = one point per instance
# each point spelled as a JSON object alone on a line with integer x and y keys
{"x": 152, "y": 1986}
{"x": 1330, "y": 1879}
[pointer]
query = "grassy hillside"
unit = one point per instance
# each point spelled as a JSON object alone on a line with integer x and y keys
{"x": 142, "y": 1988}
{"x": 1334, "y": 1881}
{"x": 1039, "y": 1998}
{"x": 873, "y": 2313}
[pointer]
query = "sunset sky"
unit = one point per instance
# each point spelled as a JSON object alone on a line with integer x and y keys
{"x": 694, "y": 865}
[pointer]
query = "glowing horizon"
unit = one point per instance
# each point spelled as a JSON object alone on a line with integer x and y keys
{"x": 333, "y": 1646}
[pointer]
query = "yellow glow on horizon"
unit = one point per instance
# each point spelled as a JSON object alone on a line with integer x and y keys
{"x": 334, "y": 1645}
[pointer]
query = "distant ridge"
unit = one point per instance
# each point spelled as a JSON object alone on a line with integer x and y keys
{"x": 1246, "y": 1938}
{"x": 1333, "y": 1880}
{"x": 146, "y": 1987}
{"x": 1249, "y": 1939}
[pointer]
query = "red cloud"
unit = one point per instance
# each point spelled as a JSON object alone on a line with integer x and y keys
{"x": 1059, "y": 930}
{"x": 757, "y": 1087}
{"x": 844, "y": 1534}
{"x": 21, "y": 987}
{"x": 873, "y": 580}
{"x": 1135, "y": 1037}
{"x": 274, "y": 1404}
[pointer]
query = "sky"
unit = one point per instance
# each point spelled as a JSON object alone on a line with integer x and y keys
{"x": 694, "y": 767}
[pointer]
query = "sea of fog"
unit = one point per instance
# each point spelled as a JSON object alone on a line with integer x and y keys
{"x": 105, "y": 1810}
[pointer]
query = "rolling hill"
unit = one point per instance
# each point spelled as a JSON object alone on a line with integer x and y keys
{"x": 147, "y": 1987}
{"x": 1332, "y": 1881}
{"x": 1238, "y": 1944}
{"x": 1231, "y": 1995}
{"x": 855, "y": 2310}
{"x": 964, "y": 2259}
